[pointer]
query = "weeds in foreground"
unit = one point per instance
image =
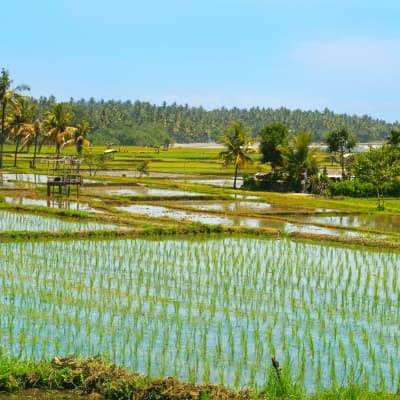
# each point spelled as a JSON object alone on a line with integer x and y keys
{"x": 102, "y": 380}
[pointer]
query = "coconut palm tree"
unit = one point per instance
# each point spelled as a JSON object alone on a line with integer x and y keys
{"x": 299, "y": 161}
{"x": 8, "y": 96}
{"x": 20, "y": 124}
{"x": 236, "y": 138}
{"x": 32, "y": 134}
{"x": 79, "y": 137}
{"x": 57, "y": 126}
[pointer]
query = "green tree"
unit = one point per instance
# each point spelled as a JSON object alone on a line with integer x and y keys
{"x": 339, "y": 141}
{"x": 37, "y": 131}
{"x": 273, "y": 136}
{"x": 95, "y": 161}
{"x": 20, "y": 124}
{"x": 32, "y": 135}
{"x": 57, "y": 125}
{"x": 79, "y": 137}
{"x": 378, "y": 166}
{"x": 394, "y": 138}
{"x": 236, "y": 138}
{"x": 8, "y": 96}
{"x": 299, "y": 162}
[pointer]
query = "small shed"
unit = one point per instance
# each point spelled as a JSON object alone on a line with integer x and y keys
{"x": 63, "y": 173}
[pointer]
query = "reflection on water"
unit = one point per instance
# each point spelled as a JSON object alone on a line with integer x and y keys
{"x": 290, "y": 227}
{"x": 378, "y": 222}
{"x": 159, "y": 211}
{"x": 145, "y": 191}
{"x": 14, "y": 180}
{"x": 224, "y": 182}
{"x": 228, "y": 206}
{"x": 53, "y": 203}
{"x": 244, "y": 197}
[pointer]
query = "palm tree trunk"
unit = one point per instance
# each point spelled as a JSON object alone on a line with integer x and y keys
{"x": 236, "y": 173}
{"x": 2, "y": 134}
{"x": 35, "y": 151}
{"x": 16, "y": 150}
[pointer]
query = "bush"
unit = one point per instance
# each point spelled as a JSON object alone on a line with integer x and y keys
{"x": 355, "y": 188}
{"x": 352, "y": 188}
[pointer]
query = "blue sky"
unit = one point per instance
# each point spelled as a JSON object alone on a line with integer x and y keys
{"x": 306, "y": 54}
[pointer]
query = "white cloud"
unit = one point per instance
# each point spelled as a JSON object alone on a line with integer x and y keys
{"x": 352, "y": 55}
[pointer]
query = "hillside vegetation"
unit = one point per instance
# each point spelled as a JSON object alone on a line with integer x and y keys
{"x": 143, "y": 123}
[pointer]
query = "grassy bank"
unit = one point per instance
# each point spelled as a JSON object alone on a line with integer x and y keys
{"x": 93, "y": 378}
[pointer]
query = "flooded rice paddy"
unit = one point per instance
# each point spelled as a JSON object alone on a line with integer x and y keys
{"x": 144, "y": 191}
{"x": 16, "y": 221}
{"x": 376, "y": 222}
{"x": 212, "y": 310}
{"x": 228, "y": 206}
{"x": 11, "y": 180}
{"x": 156, "y": 211}
{"x": 15, "y": 180}
{"x": 61, "y": 203}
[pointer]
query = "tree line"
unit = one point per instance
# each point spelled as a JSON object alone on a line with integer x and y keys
{"x": 143, "y": 123}
{"x": 294, "y": 164}
{"x": 181, "y": 123}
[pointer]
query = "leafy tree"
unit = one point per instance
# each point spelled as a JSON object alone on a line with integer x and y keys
{"x": 95, "y": 161}
{"x": 273, "y": 136}
{"x": 394, "y": 138}
{"x": 188, "y": 124}
{"x": 299, "y": 162}
{"x": 31, "y": 136}
{"x": 339, "y": 141}
{"x": 20, "y": 124}
{"x": 237, "y": 141}
{"x": 79, "y": 137}
{"x": 379, "y": 167}
{"x": 8, "y": 96}
{"x": 57, "y": 126}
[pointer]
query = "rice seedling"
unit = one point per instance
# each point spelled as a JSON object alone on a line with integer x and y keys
{"x": 15, "y": 221}
{"x": 210, "y": 310}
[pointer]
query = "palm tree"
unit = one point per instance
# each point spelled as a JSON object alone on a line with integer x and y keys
{"x": 8, "y": 96}
{"x": 20, "y": 124}
{"x": 237, "y": 141}
{"x": 79, "y": 137}
{"x": 37, "y": 129}
{"x": 298, "y": 160}
{"x": 57, "y": 126}
{"x": 31, "y": 136}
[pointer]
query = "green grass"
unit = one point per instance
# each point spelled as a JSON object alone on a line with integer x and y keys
{"x": 93, "y": 376}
